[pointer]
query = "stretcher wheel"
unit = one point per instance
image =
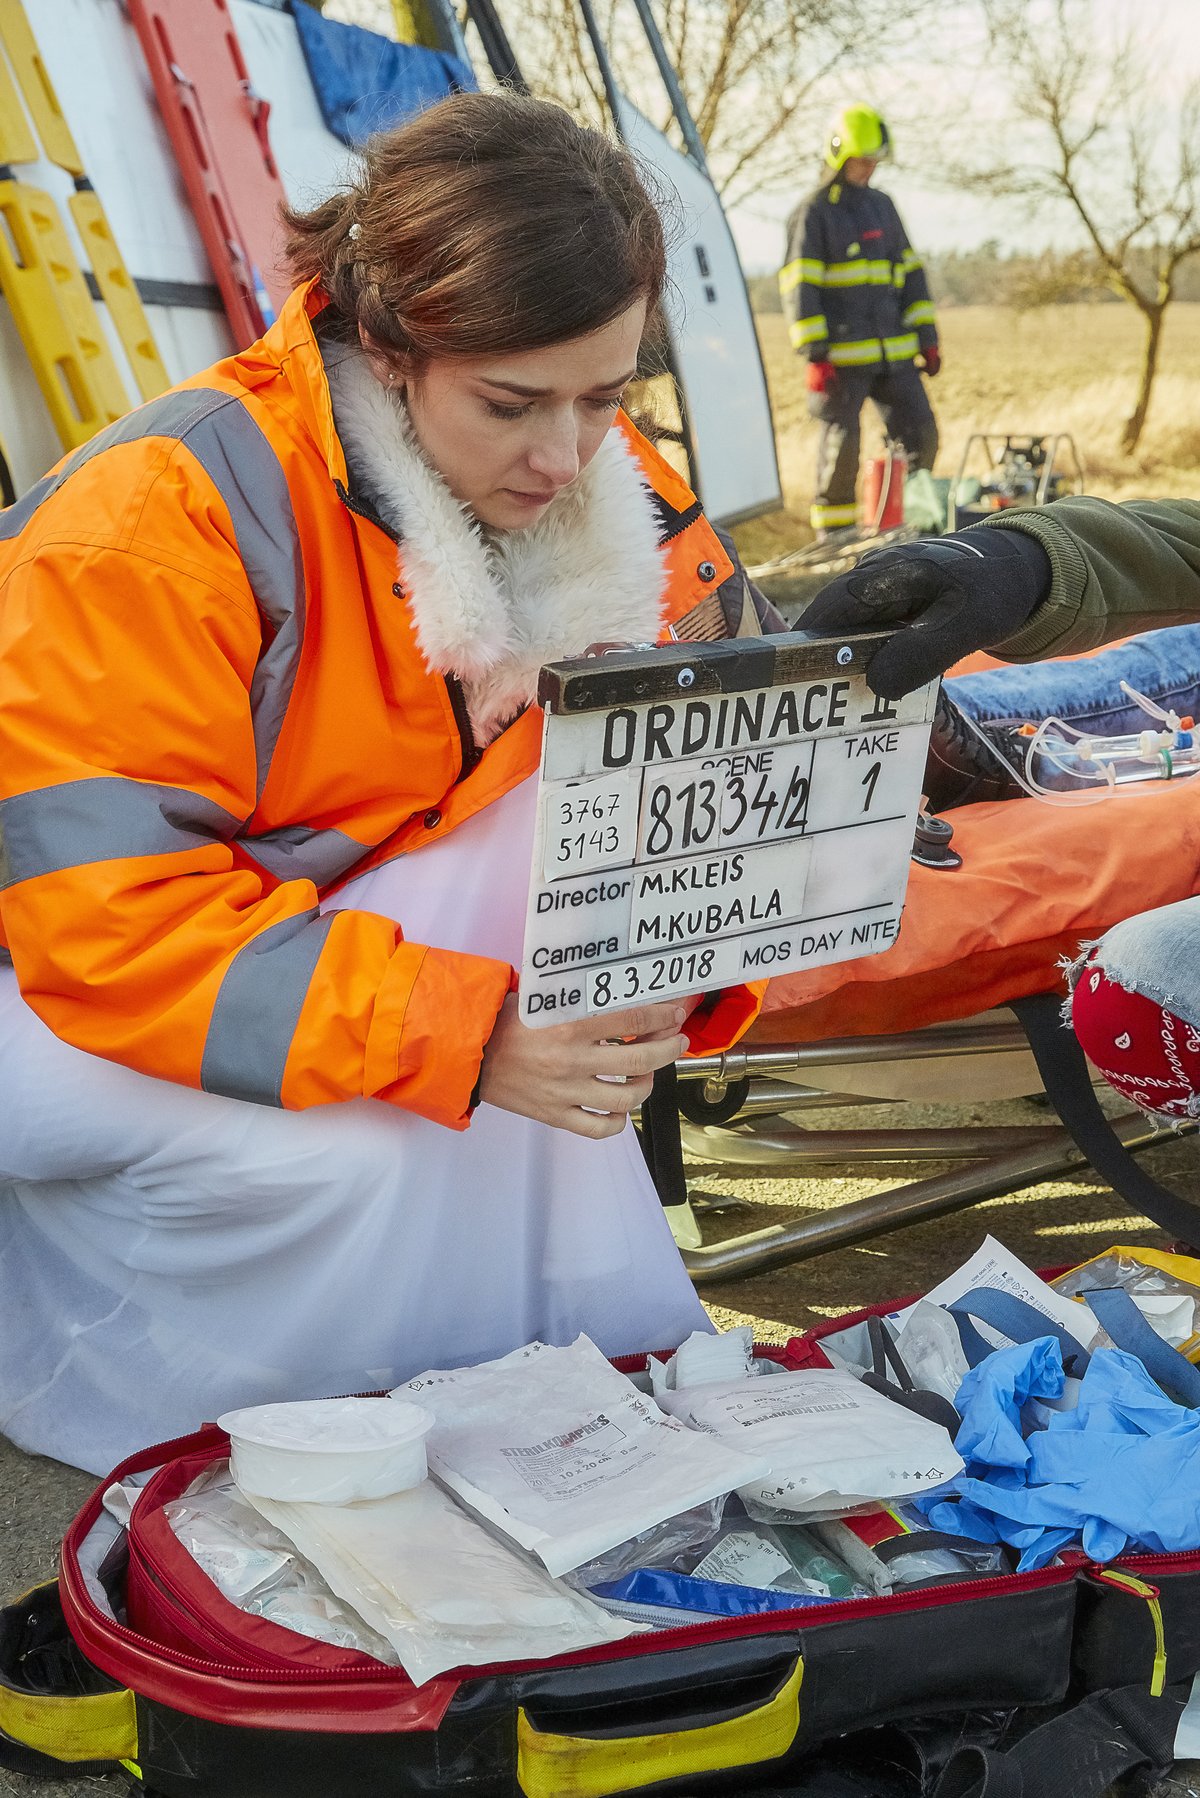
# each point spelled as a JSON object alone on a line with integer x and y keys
{"x": 699, "y": 1110}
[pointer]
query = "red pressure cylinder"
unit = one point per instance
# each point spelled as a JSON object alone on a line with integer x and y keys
{"x": 883, "y": 491}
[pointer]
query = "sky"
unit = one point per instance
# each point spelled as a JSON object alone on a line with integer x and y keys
{"x": 938, "y": 219}
{"x": 920, "y": 87}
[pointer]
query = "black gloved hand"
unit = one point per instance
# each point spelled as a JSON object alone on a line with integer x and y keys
{"x": 955, "y": 595}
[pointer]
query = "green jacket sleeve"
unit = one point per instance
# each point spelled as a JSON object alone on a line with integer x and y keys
{"x": 1116, "y": 570}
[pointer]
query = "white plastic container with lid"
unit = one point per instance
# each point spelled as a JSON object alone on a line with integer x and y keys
{"x": 327, "y": 1451}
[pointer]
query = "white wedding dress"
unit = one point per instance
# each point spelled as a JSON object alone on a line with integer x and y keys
{"x": 167, "y": 1254}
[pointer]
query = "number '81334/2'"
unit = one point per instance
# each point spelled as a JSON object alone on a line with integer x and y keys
{"x": 621, "y": 986}
{"x": 706, "y": 810}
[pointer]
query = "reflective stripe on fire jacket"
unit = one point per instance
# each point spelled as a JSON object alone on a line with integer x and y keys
{"x": 853, "y": 289}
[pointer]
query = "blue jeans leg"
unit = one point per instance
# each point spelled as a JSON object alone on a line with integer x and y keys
{"x": 1164, "y": 665}
{"x": 1156, "y": 953}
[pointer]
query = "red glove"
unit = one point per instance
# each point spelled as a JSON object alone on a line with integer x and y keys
{"x": 932, "y": 359}
{"x": 820, "y": 376}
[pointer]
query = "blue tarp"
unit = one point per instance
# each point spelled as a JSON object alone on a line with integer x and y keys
{"x": 364, "y": 82}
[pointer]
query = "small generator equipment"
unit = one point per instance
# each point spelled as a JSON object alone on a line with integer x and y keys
{"x": 998, "y": 471}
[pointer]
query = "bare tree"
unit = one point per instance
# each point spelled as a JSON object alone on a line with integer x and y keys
{"x": 757, "y": 74}
{"x": 1096, "y": 135}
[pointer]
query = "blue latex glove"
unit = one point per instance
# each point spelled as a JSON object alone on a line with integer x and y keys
{"x": 991, "y": 1396}
{"x": 1123, "y": 1468}
{"x": 1119, "y": 1396}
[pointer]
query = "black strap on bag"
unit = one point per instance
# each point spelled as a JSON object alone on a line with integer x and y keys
{"x": 1063, "y": 1068}
{"x": 662, "y": 1146}
{"x": 889, "y": 1376}
{"x": 1077, "y": 1754}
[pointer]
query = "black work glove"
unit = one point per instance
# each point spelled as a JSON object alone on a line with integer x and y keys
{"x": 955, "y": 594}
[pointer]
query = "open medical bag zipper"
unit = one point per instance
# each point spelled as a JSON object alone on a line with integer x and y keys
{"x": 194, "y": 1697}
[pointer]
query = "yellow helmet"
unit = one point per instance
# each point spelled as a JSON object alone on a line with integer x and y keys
{"x": 857, "y": 131}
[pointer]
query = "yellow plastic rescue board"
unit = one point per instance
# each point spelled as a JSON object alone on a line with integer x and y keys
{"x": 54, "y": 314}
{"x": 117, "y": 287}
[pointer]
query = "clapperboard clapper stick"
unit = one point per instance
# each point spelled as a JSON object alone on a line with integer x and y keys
{"x": 712, "y": 813}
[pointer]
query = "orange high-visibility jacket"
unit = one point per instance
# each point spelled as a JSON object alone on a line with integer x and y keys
{"x": 212, "y": 706}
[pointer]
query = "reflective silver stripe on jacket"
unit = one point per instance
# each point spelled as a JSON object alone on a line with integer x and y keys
{"x": 219, "y": 432}
{"x": 172, "y": 415}
{"x": 245, "y": 471}
{"x": 296, "y": 852}
{"x": 258, "y": 1007}
{"x": 101, "y": 820}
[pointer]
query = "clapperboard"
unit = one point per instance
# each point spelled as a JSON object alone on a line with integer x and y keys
{"x": 713, "y": 813}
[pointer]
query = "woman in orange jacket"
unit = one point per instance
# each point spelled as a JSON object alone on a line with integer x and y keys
{"x": 259, "y": 642}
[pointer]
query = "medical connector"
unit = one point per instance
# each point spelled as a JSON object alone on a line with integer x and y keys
{"x": 1142, "y": 755}
{"x": 1065, "y": 766}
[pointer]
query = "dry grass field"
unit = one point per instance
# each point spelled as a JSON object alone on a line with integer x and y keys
{"x": 1062, "y": 368}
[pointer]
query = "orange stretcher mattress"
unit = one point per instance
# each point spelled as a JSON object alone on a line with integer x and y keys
{"x": 1036, "y": 881}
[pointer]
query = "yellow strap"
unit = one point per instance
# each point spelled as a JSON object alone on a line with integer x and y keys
{"x": 17, "y": 142}
{"x": 1158, "y": 1672}
{"x": 919, "y": 313}
{"x": 825, "y": 518}
{"x": 807, "y": 330}
{"x": 414, "y": 23}
{"x": 54, "y": 314}
{"x": 99, "y": 1727}
{"x": 901, "y": 349}
{"x": 551, "y": 1766}
{"x": 857, "y": 353}
{"x": 803, "y": 268}
{"x": 37, "y": 87}
{"x": 119, "y": 293}
{"x": 858, "y": 274}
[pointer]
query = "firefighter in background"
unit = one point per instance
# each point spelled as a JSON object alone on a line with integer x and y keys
{"x": 859, "y": 309}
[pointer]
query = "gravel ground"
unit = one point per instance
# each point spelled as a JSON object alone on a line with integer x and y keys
{"x": 1065, "y": 1220}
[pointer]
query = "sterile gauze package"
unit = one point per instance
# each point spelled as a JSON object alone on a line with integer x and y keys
{"x": 437, "y": 1585}
{"x": 831, "y": 1443}
{"x": 563, "y": 1454}
{"x": 257, "y": 1569}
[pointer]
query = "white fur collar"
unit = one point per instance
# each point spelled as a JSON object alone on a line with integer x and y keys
{"x": 492, "y": 609}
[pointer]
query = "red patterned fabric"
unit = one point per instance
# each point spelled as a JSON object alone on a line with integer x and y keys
{"x": 1149, "y": 1055}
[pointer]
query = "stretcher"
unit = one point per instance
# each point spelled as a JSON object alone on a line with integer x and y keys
{"x": 217, "y": 123}
{"x": 932, "y": 1019}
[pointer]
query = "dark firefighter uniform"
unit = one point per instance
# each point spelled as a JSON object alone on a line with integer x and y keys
{"x": 858, "y": 307}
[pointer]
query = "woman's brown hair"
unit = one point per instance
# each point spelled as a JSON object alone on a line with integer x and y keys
{"x": 491, "y": 222}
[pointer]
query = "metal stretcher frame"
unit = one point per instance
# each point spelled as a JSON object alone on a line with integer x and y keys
{"x": 998, "y": 1159}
